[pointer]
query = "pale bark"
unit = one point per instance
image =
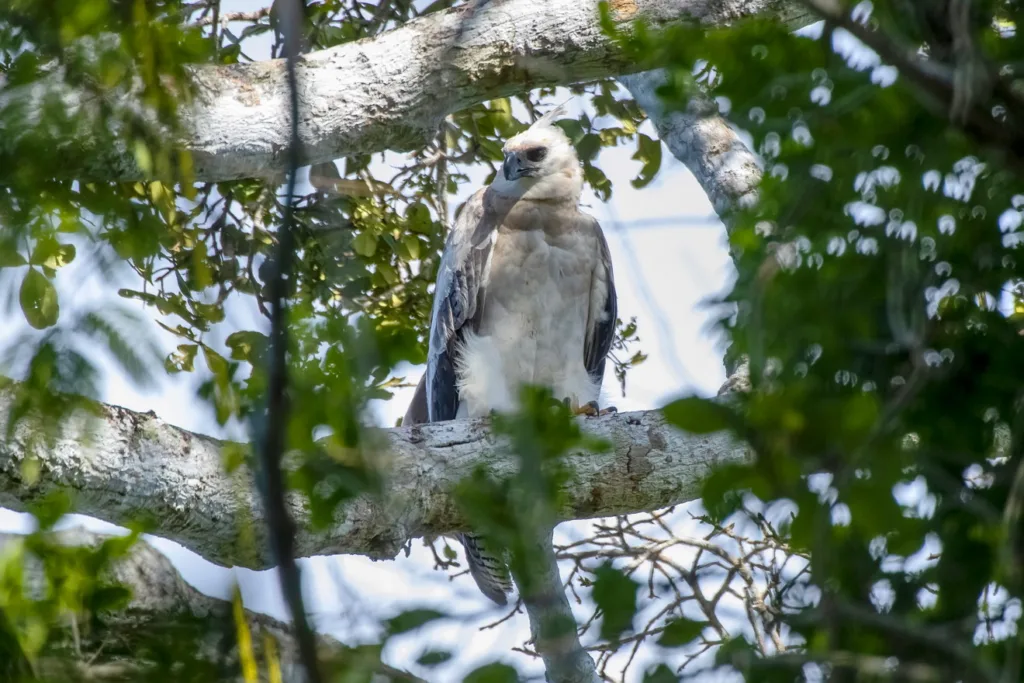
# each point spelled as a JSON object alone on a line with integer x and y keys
{"x": 115, "y": 645}
{"x": 727, "y": 170}
{"x": 122, "y": 466}
{"x": 392, "y": 91}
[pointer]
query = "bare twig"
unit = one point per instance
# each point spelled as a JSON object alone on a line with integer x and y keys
{"x": 227, "y": 18}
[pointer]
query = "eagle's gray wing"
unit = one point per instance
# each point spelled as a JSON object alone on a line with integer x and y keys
{"x": 458, "y": 298}
{"x": 603, "y": 308}
{"x": 461, "y": 285}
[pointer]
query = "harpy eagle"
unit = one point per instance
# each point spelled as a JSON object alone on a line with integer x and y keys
{"x": 525, "y": 295}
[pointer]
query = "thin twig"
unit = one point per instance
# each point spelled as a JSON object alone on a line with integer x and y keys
{"x": 224, "y": 19}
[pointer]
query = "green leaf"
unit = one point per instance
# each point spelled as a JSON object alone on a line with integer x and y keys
{"x": 588, "y": 146}
{"x": 492, "y": 673}
{"x": 51, "y": 508}
{"x": 246, "y": 345}
{"x": 418, "y": 219}
{"x": 217, "y": 363}
{"x": 389, "y": 274}
{"x": 50, "y": 253}
{"x": 649, "y": 152}
{"x": 38, "y": 300}
{"x": 680, "y": 632}
{"x": 615, "y": 594}
{"x": 412, "y": 245}
{"x": 412, "y": 619}
{"x": 183, "y": 359}
{"x": 434, "y": 657}
{"x": 572, "y": 128}
{"x": 734, "y": 652}
{"x": 661, "y": 674}
{"x": 722, "y": 491}
{"x": 365, "y": 244}
{"x": 699, "y": 415}
{"x": 233, "y": 455}
{"x": 110, "y": 598}
{"x": 9, "y": 256}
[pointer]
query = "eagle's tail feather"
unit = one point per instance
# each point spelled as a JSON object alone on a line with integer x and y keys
{"x": 488, "y": 569}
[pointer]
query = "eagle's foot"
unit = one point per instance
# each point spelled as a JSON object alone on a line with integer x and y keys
{"x": 593, "y": 409}
{"x": 563, "y": 403}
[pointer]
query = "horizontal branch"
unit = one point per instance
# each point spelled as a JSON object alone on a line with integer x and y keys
{"x": 122, "y": 467}
{"x": 393, "y": 90}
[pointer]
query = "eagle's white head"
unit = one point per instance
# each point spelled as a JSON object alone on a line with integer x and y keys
{"x": 540, "y": 163}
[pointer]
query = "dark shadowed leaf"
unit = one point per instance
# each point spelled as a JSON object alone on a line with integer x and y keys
{"x": 434, "y": 657}
{"x": 412, "y": 619}
{"x": 681, "y": 631}
{"x": 722, "y": 491}
{"x": 110, "y": 598}
{"x": 615, "y": 595}
{"x": 648, "y": 151}
{"x": 660, "y": 674}
{"x": 9, "y": 256}
{"x": 492, "y": 673}
{"x": 699, "y": 415}
{"x": 51, "y": 508}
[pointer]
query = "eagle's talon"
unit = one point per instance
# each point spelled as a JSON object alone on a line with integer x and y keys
{"x": 590, "y": 409}
{"x": 560, "y": 403}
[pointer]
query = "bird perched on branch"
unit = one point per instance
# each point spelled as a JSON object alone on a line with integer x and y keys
{"x": 525, "y": 295}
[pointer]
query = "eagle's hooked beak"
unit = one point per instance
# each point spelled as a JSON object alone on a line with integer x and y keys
{"x": 513, "y": 167}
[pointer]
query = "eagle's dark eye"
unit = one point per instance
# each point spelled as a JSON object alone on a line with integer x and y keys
{"x": 536, "y": 154}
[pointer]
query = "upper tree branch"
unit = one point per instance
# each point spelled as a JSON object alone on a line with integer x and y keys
{"x": 125, "y": 466}
{"x": 392, "y": 91}
{"x": 726, "y": 169}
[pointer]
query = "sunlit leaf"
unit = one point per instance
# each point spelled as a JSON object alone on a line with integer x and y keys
{"x": 182, "y": 359}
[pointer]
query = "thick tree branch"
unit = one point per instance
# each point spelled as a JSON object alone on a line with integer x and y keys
{"x": 726, "y": 169}
{"x": 124, "y": 466}
{"x": 392, "y": 91}
{"x": 119, "y": 645}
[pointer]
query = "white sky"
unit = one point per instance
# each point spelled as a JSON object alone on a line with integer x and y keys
{"x": 663, "y": 274}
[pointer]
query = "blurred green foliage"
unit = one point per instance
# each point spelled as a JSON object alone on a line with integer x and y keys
{"x": 879, "y": 303}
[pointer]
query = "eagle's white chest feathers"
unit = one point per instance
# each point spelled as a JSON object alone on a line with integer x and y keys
{"x": 534, "y": 321}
